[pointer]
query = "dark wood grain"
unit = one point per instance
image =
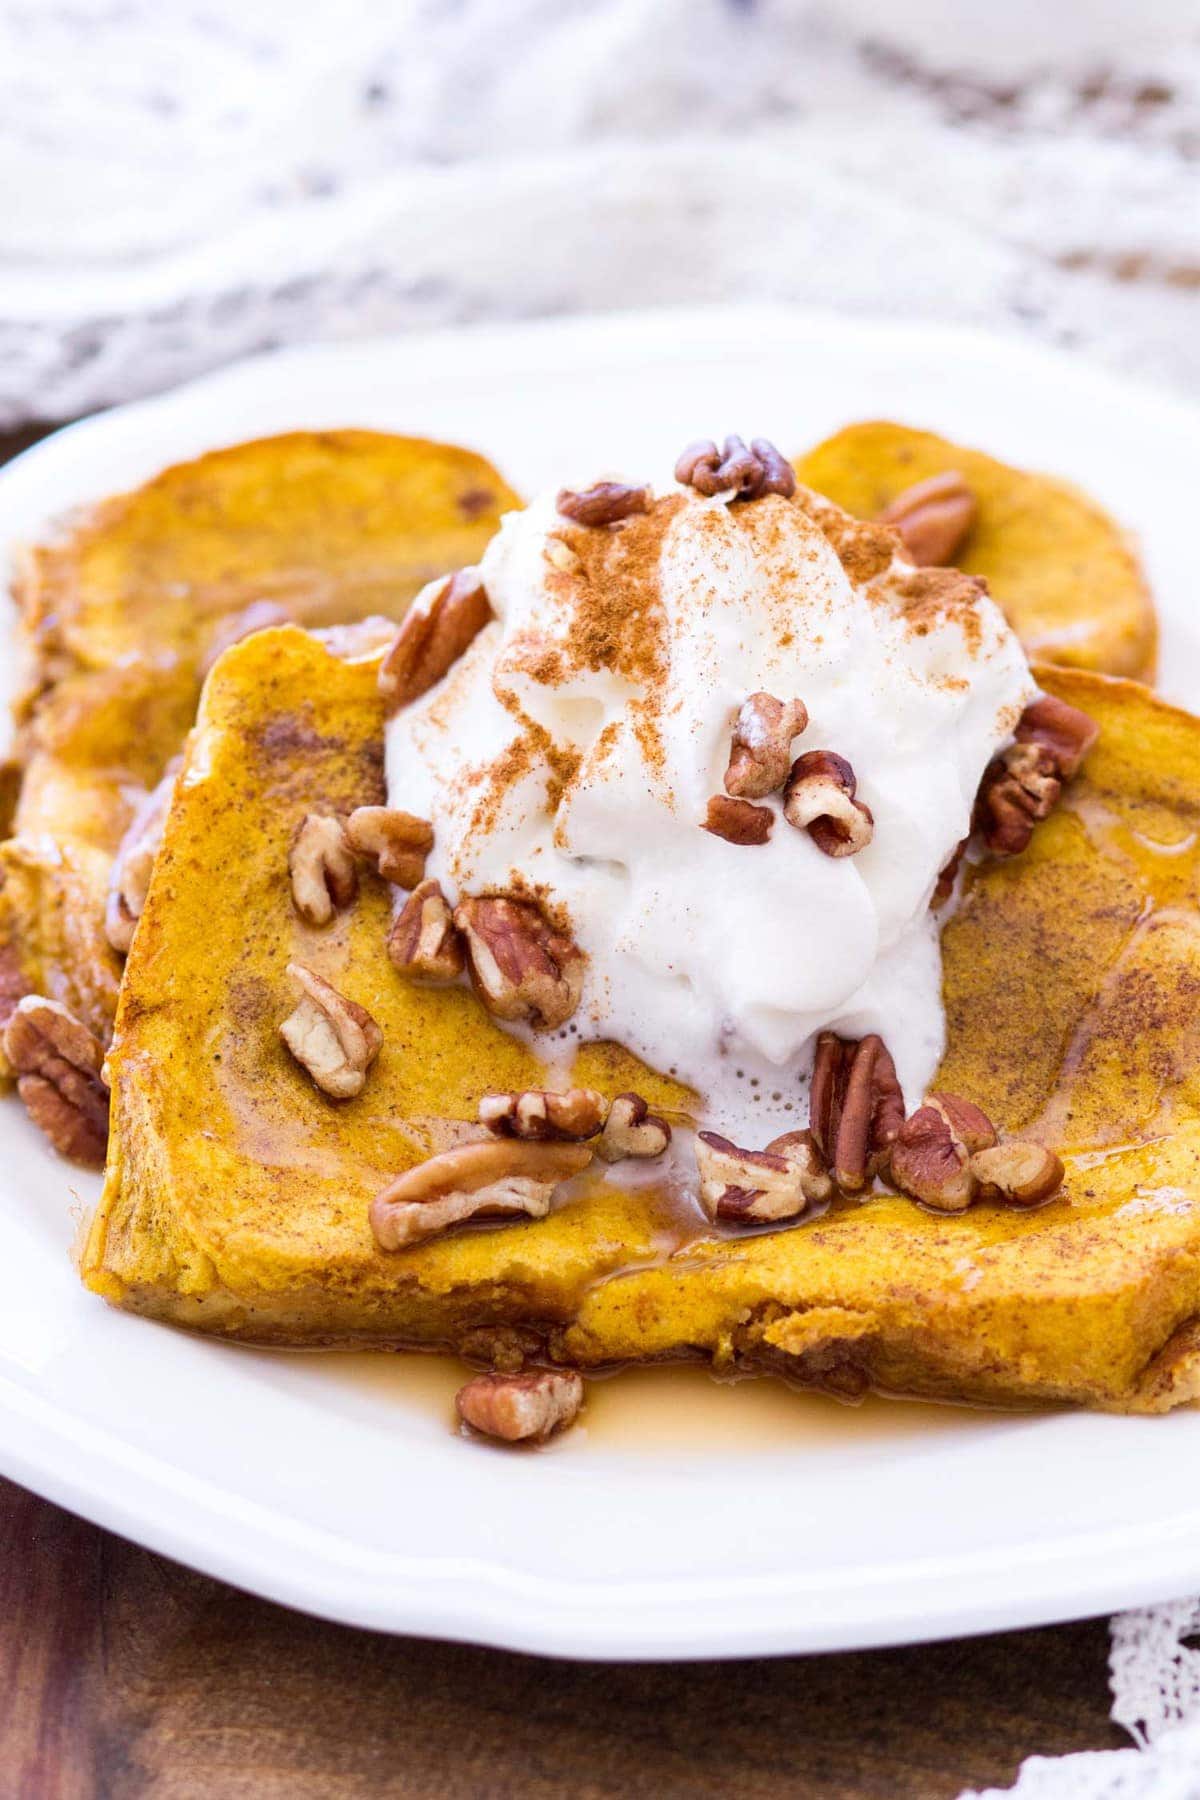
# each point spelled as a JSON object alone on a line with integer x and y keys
{"x": 123, "y": 1675}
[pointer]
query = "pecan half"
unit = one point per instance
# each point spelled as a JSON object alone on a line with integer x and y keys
{"x": 968, "y": 1123}
{"x": 499, "y": 1178}
{"x": 819, "y": 798}
{"x": 761, "y": 469}
{"x": 631, "y": 1129}
{"x": 604, "y": 504}
{"x": 1021, "y": 1174}
{"x": 424, "y": 943}
{"x": 1065, "y": 733}
{"x": 933, "y": 1157}
{"x": 321, "y": 868}
{"x": 335, "y": 1039}
{"x": 134, "y": 862}
{"x": 521, "y": 967}
{"x": 559, "y": 554}
{"x": 1018, "y": 790}
{"x": 934, "y": 517}
{"x": 58, "y": 1064}
{"x": 538, "y": 1114}
{"x": 761, "y": 753}
{"x": 521, "y": 1408}
{"x": 931, "y": 1164}
{"x": 756, "y": 1186}
{"x": 856, "y": 1106}
{"x": 439, "y": 626}
{"x": 1022, "y": 785}
{"x": 738, "y": 821}
{"x": 396, "y": 843}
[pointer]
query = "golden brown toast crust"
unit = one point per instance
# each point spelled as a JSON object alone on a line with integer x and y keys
{"x": 236, "y": 1196}
{"x": 1065, "y": 573}
{"x": 121, "y": 609}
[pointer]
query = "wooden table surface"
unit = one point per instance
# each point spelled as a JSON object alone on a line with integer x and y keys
{"x": 122, "y": 1674}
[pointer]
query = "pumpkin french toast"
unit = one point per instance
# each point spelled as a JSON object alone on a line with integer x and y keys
{"x": 122, "y": 611}
{"x": 695, "y": 931}
{"x": 238, "y": 1194}
{"x": 1064, "y": 572}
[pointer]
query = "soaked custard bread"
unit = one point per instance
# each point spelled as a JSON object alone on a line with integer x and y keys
{"x": 122, "y": 611}
{"x": 238, "y": 1195}
{"x": 1065, "y": 573}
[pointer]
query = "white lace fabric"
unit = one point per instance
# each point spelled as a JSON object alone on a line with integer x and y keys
{"x": 184, "y": 184}
{"x": 1155, "y": 1677}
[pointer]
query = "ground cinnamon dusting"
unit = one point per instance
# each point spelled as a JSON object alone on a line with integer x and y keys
{"x": 926, "y": 597}
{"x": 863, "y": 549}
{"x": 618, "y": 622}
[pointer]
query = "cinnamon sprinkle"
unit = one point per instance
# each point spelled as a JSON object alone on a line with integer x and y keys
{"x": 926, "y": 597}
{"x": 864, "y": 549}
{"x": 617, "y": 621}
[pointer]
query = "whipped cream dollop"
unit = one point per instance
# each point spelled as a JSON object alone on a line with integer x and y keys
{"x": 570, "y": 755}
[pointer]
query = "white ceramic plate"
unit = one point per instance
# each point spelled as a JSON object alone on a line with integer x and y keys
{"x": 335, "y": 1485}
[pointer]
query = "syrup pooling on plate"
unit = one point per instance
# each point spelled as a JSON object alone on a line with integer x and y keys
{"x": 576, "y": 751}
{"x": 648, "y": 1413}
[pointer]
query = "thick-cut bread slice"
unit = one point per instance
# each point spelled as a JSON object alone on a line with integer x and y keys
{"x": 236, "y": 1196}
{"x": 1064, "y": 572}
{"x": 121, "y": 611}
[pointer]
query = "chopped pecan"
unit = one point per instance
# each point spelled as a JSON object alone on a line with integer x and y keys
{"x": 604, "y": 504}
{"x": 58, "y": 1064}
{"x": 521, "y": 967}
{"x": 537, "y": 1113}
{"x": 931, "y": 1157}
{"x": 856, "y": 1106}
{"x": 396, "y": 843}
{"x": 1018, "y": 790}
{"x": 1022, "y": 1174}
{"x": 521, "y": 1408}
{"x": 1064, "y": 732}
{"x": 944, "y": 886}
{"x": 754, "y": 1186}
{"x": 1022, "y": 785}
{"x": 738, "y": 821}
{"x": 631, "y": 1129}
{"x": 761, "y": 469}
{"x": 335, "y": 1039}
{"x": 505, "y": 1349}
{"x": 134, "y": 862}
{"x": 560, "y": 556}
{"x": 934, "y": 517}
{"x": 968, "y": 1123}
{"x": 321, "y": 867}
{"x": 761, "y": 753}
{"x": 930, "y": 1164}
{"x": 819, "y": 798}
{"x": 499, "y": 1178}
{"x": 439, "y": 626}
{"x": 424, "y": 943}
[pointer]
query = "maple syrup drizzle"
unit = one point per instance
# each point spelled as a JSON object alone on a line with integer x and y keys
{"x": 1167, "y": 876}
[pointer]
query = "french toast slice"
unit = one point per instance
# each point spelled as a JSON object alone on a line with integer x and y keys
{"x": 1064, "y": 572}
{"x": 121, "y": 611}
{"x": 236, "y": 1196}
